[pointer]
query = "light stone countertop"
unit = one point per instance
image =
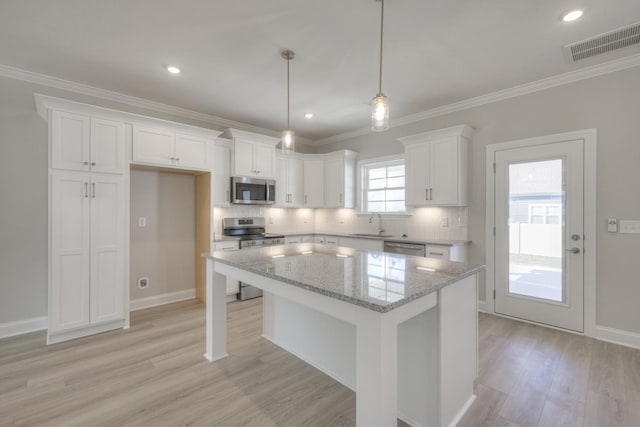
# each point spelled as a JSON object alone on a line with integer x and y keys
{"x": 417, "y": 240}
{"x": 374, "y": 280}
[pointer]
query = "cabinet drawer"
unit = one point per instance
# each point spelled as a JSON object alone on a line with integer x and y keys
{"x": 226, "y": 246}
{"x": 435, "y": 251}
{"x": 292, "y": 240}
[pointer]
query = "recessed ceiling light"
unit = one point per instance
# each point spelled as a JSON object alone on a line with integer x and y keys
{"x": 173, "y": 69}
{"x": 572, "y": 15}
{"x": 308, "y": 115}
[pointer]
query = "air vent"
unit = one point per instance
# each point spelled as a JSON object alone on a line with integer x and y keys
{"x": 603, "y": 43}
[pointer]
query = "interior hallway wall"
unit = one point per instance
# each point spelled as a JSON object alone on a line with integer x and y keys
{"x": 164, "y": 250}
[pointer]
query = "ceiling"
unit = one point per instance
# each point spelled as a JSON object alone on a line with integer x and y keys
{"x": 435, "y": 52}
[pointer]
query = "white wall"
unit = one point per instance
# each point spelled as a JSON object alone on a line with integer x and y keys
{"x": 164, "y": 250}
{"x": 609, "y": 103}
{"x": 23, "y": 215}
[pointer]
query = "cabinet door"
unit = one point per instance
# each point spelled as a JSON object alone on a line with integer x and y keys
{"x": 243, "y": 157}
{"x": 334, "y": 183}
{"x": 108, "y": 219}
{"x": 417, "y": 175}
{"x": 313, "y": 183}
{"x": 107, "y": 146}
{"x": 264, "y": 160}
{"x": 70, "y": 252}
{"x": 154, "y": 146}
{"x": 192, "y": 152}
{"x": 221, "y": 175}
{"x": 282, "y": 189}
{"x": 295, "y": 178}
{"x": 444, "y": 172}
{"x": 70, "y": 135}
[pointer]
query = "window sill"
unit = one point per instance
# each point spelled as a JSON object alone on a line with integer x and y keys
{"x": 386, "y": 214}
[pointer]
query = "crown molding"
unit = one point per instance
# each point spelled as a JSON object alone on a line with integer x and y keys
{"x": 67, "y": 85}
{"x": 527, "y": 88}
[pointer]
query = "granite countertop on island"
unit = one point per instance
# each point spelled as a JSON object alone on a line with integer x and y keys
{"x": 374, "y": 280}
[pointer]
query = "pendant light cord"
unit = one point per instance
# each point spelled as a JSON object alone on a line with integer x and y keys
{"x": 381, "y": 38}
{"x": 288, "y": 106}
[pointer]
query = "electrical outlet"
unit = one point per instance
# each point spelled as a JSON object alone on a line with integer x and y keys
{"x": 142, "y": 221}
{"x": 270, "y": 220}
{"x": 143, "y": 282}
{"x": 612, "y": 225}
{"x": 304, "y": 219}
{"x": 445, "y": 221}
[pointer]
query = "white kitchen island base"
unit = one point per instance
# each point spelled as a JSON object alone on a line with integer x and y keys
{"x": 417, "y": 361}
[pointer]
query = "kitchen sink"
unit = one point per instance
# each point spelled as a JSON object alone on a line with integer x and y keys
{"x": 370, "y": 235}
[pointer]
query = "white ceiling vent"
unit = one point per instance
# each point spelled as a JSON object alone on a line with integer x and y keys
{"x": 603, "y": 43}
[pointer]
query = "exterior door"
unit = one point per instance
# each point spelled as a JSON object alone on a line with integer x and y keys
{"x": 539, "y": 203}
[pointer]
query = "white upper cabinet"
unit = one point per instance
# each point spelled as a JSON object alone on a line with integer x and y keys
{"x": 339, "y": 179}
{"x": 192, "y": 152}
{"x": 289, "y": 180}
{"x": 253, "y": 154}
{"x": 221, "y": 182}
{"x": 83, "y": 143}
{"x": 437, "y": 167}
{"x": 166, "y": 147}
{"x": 313, "y": 181}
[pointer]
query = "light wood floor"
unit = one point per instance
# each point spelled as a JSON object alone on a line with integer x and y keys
{"x": 154, "y": 374}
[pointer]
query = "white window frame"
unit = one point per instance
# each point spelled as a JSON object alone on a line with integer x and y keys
{"x": 362, "y": 167}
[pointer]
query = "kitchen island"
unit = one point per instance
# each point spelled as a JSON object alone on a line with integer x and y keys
{"x": 401, "y": 331}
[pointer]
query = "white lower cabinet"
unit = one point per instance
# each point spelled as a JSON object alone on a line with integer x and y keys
{"x": 87, "y": 285}
{"x": 362, "y": 244}
{"x": 292, "y": 240}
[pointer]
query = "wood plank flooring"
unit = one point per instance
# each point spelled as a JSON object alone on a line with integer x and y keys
{"x": 154, "y": 374}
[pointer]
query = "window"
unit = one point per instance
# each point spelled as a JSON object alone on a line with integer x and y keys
{"x": 383, "y": 186}
{"x": 544, "y": 214}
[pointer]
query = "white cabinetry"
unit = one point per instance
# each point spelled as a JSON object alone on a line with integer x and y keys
{"x": 292, "y": 240}
{"x": 313, "y": 181}
{"x": 326, "y": 240}
{"x": 254, "y": 154}
{"x": 362, "y": 244}
{"x": 339, "y": 179}
{"x": 165, "y": 147}
{"x": 221, "y": 181}
{"x": 88, "y": 250}
{"x": 83, "y": 143}
{"x": 233, "y": 285}
{"x": 289, "y": 180}
{"x": 437, "y": 167}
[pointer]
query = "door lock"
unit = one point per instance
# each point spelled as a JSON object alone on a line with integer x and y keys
{"x": 573, "y": 250}
{"x": 575, "y": 237}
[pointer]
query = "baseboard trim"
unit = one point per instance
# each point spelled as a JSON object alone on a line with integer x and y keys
{"x": 25, "y": 326}
{"x": 462, "y": 411}
{"x": 154, "y": 301}
{"x": 618, "y": 336}
{"x": 482, "y": 307}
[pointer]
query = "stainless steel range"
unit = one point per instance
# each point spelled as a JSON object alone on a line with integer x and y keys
{"x": 251, "y": 232}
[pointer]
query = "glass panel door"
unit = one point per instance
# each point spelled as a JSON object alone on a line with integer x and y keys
{"x": 536, "y": 221}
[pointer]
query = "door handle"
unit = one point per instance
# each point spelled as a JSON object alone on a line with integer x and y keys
{"x": 573, "y": 250}
{"x": 86, "y": 189}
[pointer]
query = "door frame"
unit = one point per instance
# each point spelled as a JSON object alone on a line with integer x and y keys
{"x": 589, "y": 136}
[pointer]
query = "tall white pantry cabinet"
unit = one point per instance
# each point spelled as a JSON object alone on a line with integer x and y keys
{"x": 88, "y": 225}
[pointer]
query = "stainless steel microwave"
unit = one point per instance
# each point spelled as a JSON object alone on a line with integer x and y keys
{"x": 253, "y": 191}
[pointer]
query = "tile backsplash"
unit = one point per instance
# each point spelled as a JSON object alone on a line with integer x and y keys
{"x": 441, "y": 223}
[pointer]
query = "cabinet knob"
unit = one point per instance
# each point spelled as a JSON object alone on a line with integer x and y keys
{"x": 85, "y": 163}
{"x": 177, "y": 159}
{"x": 93, "y": 163}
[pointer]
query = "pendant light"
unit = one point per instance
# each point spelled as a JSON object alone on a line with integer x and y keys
{"x": 288, "y": 137}
{"x": 380, "y": 104}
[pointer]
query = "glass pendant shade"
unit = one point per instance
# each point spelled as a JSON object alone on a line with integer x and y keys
{"x": 288, "y": 141}
{"x": 380, "y": 113}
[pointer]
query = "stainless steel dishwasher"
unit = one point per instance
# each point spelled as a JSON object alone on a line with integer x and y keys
{"x": 414, "y": 249}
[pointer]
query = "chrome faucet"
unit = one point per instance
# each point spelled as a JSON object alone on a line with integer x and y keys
{"x": 380, "y": 229}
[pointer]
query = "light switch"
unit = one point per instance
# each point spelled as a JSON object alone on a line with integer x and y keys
{"x": 631, "y": 227}
{"x": 142, "y": 221}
